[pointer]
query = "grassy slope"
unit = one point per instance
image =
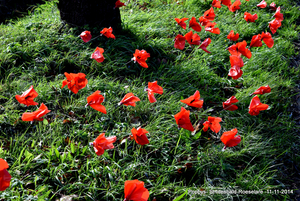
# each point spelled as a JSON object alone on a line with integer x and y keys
{"x": 55, "y": 159}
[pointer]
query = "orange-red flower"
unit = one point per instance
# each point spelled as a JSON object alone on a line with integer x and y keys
{"x": 194, "y": 24}
{"x": 232, "y": 36}
{"x": 181, "y": 22}
{"x": 263, "y": 90}
{"x": 256, "y": 106}
{"x": 204, "y": 45}
{"x": 235, "y": 6}
{"x": 179, "y": 42}
{"x": 226, "y": 2}
{"x": 273, "y": 6}
{"x": 98, "y": 55}
{"x": 139, "y": 135}
{"x": 262, "y": 4}
{"x": 203, "y": 21}
{"x": 236, "y": 63}
{"x": 129, "y": 99}
{"x": 267, "y": 38}
{"x": 4, "y": 175}
{"x": 108, "y": 33}
{"x": 274, "y": 25}
{"x": 213, "y": 123}
{"x": 240, "y": 48}
{"x": 183, "y": 119}
{"x": 192, "y": 39}
{"x": 256, "y": 41}
{"x": 227, "y": 105}
{"x": 102, "y": 143}
{"x": 95, "y": 101}
{"x": 141, "y": 56}
{"x": 37, "y": 115}
{"x": 216, "y": 4}
{"x": 250, "y": 18}
{"x": 119, "y": 4}
{"x": 194, "y": 100}
{"x": 229, "y": 139}
{"x": 278, "y": 15}
{"x": 135, "y": 191}
{"x": 210, "y": 27}
{"x": 209, "y": 14}
{"x": 75, "y": 82}
{"x": 86, "y": 36}
{"x": 153, "y": 87}
{"x": 27, "y": 97}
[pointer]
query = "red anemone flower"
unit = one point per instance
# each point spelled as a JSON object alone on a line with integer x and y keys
{"x": 262, "y": 90}
{"x": 75, "y": 82}
{"x": 273, "y": 6}
{"x": 102, "y": 143}
{"x": 179, "y": 42}
{"x": 194, "y": 100}
{"x": 141, "y": 56}
{"x": 267, "y": 38}
{"x": 37, "y": 115}
{"x": 213, "y": 123}
{"x": 233, "y": 37}
{"x": 203, "y": 21}
{"x": 226, "y": 2}
{"x": 4, "y": 175}
{"x": 183, "y": 119}
{"x": 216, "y": 4}
{"x": 181, "y": 22}
{"x": 95, "y": 101}
{"x": 274, "y": 25}
{"x": 262, "y": 4}
{"x": 209, "y": 14}
{"x": 278, "y": 15}
{"x": 153, "y": 87}
{"x": 236, "y": 63}
{"x": 229, "y": 139}
{"x": 250, "y": 18}
{"x": 235, "y": 6}
{"x": 256, "y": 41}
{"x": 256, "y": 106}
{"x": 134, "y": 190}
{"x": 98, "y": 55}
{"x": 27, "y": 97}
{"x": 227, "y": 105}
{"x": 139, "y": 135}
{"x": 240, "y": 48}
{"x": 129, "y": 99}
{"x": 194, "y": 24}
{"x": 119, "y": 4}
{"x": 86, "y": 36}
{"x": 210, "y": 27}
{"x": 192, "y": 39}
{"x": 204, "y": 45}
{"x": 108, "y": 33}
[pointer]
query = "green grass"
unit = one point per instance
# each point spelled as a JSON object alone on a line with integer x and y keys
{"x": 51, "y": 160}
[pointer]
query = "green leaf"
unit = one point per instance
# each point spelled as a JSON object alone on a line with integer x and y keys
{"x": 181, "y": 196}
{"x": 45, "y": 122}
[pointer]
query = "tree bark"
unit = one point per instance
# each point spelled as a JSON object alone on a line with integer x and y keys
{"x": 95, "y": 13}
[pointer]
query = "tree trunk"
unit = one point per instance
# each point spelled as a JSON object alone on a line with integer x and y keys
{"x": 95, "y": 13}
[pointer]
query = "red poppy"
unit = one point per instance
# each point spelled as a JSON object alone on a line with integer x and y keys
{"x": 134, "y": 190}
{"x": 86, "y": 36}
{"x": 256, "y": 41}
{"x": 194, "y": 100}
{"x": 213, "y": 123}
{"x": 98, "y": 55}
{"x": 179, "y": 42}
{"x": 108, "y": 33}
{"x": 278, "y": 15}
{"x": 216, "y": 4}
{"x": 273, "y": 6}
{"x": 250, "y": 18}
{"x": 233, "y": 37}
{"x": 95, "y": 101}
{"x": 139, "y": 135}
{"x": 262, "y": 4}
{"x": 209, "y": 14}
{"x": 236, "y": 61}
{"x": 181, "y": 22}
{"x": 204, "y": 45}
{"x": 192, "y": 39}
{"x": 236, "y": 64}
{"x": 274, "y": 25}
{"x": 226, "y": 2}
{"x": 129, "y": 99}
{"x": 31, "y": 116}
{"x": 194, "y": 24}
{"x": 203, "y": 21}
{"x": 227, "y": 105}
{"x": 119, "y": 4}
{"x": 27, "y": 97}
{"x": 153, "y": 87}
{"x": 4, "y": 175}
{"x": 262, "y": 90}
{"x": 102, "y": 143}
{"x": 229, "y": 139}
{"x": 235, "y": 6}
{"x": 267, "y": 38}
{"x": 141, "y": 56}
{"x": 240, "y": 48}
{"x": 210, "y": 27}
{"x": 256, "y": 106}
{"x": 183, "y": 119}
{"x": 75, "y": 82}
